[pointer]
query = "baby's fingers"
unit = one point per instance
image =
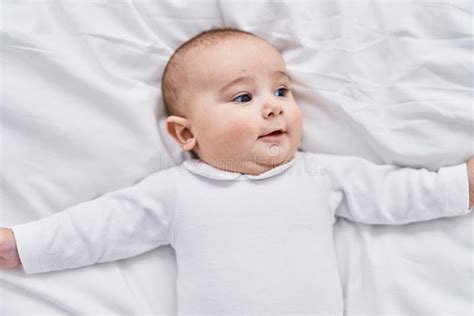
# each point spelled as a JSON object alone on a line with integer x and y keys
{"x": 9, "y": 263}
{"x": 9, "y": 257}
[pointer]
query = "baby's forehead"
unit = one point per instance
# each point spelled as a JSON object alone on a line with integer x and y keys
{"x": 230, "y": 58}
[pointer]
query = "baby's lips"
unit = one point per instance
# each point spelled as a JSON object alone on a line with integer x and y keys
{"x": 274, "y": 132}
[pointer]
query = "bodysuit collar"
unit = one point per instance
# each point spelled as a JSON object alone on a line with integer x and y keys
{"x": 201, "y": 168}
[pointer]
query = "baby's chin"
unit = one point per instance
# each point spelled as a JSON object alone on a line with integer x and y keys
{"x": 271, "y": 157}
{"x": 275, "y": 153}
{"x": 256, "y": 161}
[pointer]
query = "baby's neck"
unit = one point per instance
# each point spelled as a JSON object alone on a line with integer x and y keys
{"x": 247, "y": 167}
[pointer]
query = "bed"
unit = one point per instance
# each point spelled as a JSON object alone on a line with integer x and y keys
{"x": 82, "y": 115}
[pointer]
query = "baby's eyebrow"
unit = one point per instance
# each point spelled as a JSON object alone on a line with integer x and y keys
{"x": 240, "y": 79}
{"x": 235, "y": 81}
{"x": 280, "y": 73}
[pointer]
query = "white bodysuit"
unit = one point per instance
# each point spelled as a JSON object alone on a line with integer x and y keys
{"x": 245, "y": 244}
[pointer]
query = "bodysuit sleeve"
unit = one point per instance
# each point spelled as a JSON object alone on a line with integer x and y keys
{"x": 117, "y": 225}
{"x": 362, "y": 191}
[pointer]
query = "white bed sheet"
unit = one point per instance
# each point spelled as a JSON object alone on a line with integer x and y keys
{"x": 391, "y": 82}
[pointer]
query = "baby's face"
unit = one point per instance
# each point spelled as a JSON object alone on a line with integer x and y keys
{"x": 239, "y": 92}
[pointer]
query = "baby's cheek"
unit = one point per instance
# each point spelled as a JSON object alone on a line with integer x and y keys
{"x": 236, "y": 131}
{"x": 296, "y": 118}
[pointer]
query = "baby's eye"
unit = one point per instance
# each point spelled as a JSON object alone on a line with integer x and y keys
{"x": 243, "y": 98}
{"x": 281, "y": 92}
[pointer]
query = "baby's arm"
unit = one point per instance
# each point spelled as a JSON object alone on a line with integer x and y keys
{"x": 118, "y": 225}
{"x": 362, "y": 191}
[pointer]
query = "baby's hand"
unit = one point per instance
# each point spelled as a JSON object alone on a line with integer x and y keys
{"x": 470, "y": 174}
{"x": 8, "y": 252}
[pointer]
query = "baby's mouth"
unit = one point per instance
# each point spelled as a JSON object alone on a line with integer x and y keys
{"x": 274, "y": 132}
{"x": 275, "y": 135}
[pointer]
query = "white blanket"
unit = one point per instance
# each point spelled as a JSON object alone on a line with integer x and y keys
{"x": 82, "y": 115}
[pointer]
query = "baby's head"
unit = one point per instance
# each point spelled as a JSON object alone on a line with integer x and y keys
{"x": 223, "y": 90}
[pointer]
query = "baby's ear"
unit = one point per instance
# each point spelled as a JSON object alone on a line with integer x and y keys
{"x": 179, "y": 129}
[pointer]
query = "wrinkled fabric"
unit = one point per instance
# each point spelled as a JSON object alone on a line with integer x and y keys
{"x": 82, "y": 116}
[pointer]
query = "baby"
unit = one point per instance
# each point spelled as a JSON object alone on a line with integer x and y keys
{"x": 250, "y": 217}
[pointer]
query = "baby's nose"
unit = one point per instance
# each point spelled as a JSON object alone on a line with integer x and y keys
{"x": 272, "y": 110}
